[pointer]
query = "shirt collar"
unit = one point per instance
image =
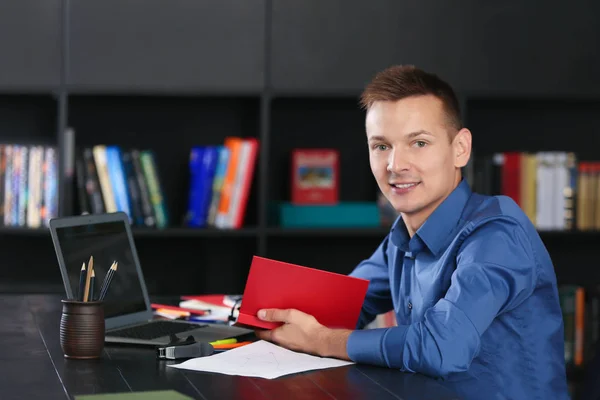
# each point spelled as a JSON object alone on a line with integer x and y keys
{"x": 437, "y": 229}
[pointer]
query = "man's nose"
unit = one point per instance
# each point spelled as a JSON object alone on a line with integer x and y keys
{"x": 398, "y": 161}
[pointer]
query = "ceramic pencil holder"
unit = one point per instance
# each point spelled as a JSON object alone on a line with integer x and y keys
{"x": 82, "y": 329}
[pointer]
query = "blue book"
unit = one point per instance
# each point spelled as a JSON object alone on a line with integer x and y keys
{"x": 203, "y": 163}
{"x": 116, "y": 174}
{"x": 218, "y": 179}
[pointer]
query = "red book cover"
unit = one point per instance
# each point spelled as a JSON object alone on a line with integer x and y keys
{"x": 335, "y": 300}
{"x": 315, "y": 176}
{"x": 511, "y": 176}
{"x": 216, "y": 299}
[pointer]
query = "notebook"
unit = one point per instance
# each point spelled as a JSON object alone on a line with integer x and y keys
{"x": 335, "y": 300}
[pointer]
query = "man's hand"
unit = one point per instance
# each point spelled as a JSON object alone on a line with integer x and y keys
{"x": 302, "y": 332}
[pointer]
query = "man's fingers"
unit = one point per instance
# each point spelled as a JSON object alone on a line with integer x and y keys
{"x": 264, "y": 334}
{"x": 275, "y": 315}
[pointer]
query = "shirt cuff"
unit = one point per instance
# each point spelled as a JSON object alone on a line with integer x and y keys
{"x": 375, "y": 346}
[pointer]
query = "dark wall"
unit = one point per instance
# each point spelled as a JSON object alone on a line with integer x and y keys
{"x": 30, "y": 45}
{"x": 501, "y": 48}
{"x": 150, "y": 45}
{"x": 510, "y": 47}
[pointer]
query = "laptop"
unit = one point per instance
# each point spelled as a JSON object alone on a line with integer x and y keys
{"x": 127, "y": 308}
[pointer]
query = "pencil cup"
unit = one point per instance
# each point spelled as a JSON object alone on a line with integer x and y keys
{"x": 82, "y": 329}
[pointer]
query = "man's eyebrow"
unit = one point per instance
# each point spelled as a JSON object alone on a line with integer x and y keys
{"x": 418, "y": 133}
{"x": 410, "y": 135}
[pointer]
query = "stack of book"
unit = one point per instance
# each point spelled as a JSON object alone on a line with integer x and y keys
{"x": 28, "y": 185}
{"x": 221, "y": 178}
{"x": 110, "y": 180}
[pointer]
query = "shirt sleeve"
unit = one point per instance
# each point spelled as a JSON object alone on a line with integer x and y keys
{"x": 495, "y": 272}
{"x": 378, "y": 298}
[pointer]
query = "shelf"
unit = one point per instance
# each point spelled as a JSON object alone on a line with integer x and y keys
{"x": 194, "y": 232}
{"x": 23, "y": 231}
{"x": 274, "y": 231}
{"x": 561, "y": 234}
{"x": 382, "y": 231}
{"x": 575, "y": 374}
{"x": 142, "y": 232}
{"x": 334, "y": 232}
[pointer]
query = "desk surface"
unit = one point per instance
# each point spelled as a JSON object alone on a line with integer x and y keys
{"x": 33, "y": 366}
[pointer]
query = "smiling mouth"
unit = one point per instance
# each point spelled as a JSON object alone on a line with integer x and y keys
{"x": 403, "y": 185}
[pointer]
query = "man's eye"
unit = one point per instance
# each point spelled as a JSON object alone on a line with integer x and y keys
{"x": 381, "y": 147}
{"x": 420, "y": 143}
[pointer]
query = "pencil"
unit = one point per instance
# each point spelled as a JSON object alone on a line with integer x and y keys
{"x": 107, "y": 280}
{"x": 107, "y": 277}
{"x": 81, "y": 283}
{"x": 92, "y": 282}
{"x": 230, "y": 345}
{"x": 87, "y": 279}
{"x": 224, "y": 341}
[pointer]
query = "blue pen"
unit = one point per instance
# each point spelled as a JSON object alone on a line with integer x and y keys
{"x": 207, "y": 321}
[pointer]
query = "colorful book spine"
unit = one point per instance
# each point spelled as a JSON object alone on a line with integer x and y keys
{"x": 147, "y": 207}
{"x": 244, "y": 182}
{"x": 108, "y": 196}
{"x": 154, "y": 188}
{"x": 223, "y": 215}
{"x": 133, "y": 188}
{"x": 203, "y": 163}
{"x": 23, "y": 188}
{"x": 116, "y": 176}
{"x": 92, "y": 183}
{"x": 51, "y": 185}
{"x": 218, "y": 184}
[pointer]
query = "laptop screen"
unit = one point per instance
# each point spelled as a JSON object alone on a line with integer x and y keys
{"x": 106, "y": 242}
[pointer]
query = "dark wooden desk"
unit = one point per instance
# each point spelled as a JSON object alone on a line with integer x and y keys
{"x": 33, "y": 367}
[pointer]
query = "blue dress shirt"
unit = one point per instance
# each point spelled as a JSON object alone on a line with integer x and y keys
{"x": 475, "y": 297}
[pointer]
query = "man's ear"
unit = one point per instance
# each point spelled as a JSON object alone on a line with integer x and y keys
{"x": 462, "y": 147}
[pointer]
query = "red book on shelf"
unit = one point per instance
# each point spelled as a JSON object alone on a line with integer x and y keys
{"x": 315, "y": 176}
{"x": 511, "y": 176}
{"x": 335, "y": 300}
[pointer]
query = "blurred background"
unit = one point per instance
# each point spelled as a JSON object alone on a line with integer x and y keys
{"x": 230, "y": 128}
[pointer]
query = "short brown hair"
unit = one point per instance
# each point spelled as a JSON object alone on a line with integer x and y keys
{"x": 400, "y": 81}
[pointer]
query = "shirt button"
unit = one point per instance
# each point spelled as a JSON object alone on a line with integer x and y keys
{"x": 409, "y": 305}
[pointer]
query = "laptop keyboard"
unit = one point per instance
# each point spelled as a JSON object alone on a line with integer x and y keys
{"x": 153, "y": 330}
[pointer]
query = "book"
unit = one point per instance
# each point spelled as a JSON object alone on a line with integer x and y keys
{"x": 335, "y": 300}
{"x": 315, "y": 176}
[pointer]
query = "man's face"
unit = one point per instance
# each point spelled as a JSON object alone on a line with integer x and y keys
{"x": 414, "y": 154}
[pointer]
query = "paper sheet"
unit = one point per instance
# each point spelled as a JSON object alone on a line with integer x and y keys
{"x": 260, "y": 359}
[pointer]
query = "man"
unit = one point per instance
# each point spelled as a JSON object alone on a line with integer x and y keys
{"x": 471, "y": 283}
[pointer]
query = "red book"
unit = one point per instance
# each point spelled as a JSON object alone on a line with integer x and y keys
{"x": 216, "y": 299}
{"x": 511, "y": 176}
{"x": 315, "y": 176}
{"x": 156, "y": 306}
{"x": 335, "y": 300}
{"x": 250, "y": 149}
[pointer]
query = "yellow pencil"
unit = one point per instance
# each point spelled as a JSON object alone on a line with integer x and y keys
{"x": 86, "y": 293}
{"x": 224, "y": 341}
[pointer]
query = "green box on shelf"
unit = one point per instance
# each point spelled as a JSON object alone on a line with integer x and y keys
{"x": 343, "y": 214}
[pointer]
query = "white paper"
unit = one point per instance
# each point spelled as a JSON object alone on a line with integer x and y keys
{"x": 260, "y": 359}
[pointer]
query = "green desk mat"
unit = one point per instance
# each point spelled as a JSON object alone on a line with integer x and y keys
{"x": 150, "y": 395}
